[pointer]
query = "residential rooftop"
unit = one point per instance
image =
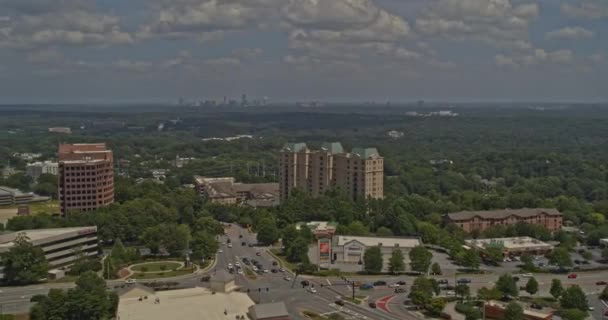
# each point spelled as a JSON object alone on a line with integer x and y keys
{"x": 503, "y": 213}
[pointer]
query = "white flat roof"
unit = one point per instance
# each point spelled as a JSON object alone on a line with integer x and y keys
{"x": 186, "y": 304}
{"x": 6, "y": 240}
{"x": 509, "y": 243}
{"x": 374, "y": 241}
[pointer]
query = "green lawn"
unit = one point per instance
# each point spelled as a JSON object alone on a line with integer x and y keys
{"x": 276, "y": 253}
{"x": 157, "y": 266}
{"x": 168, "y": 274}
{"x": 50, "y": 207}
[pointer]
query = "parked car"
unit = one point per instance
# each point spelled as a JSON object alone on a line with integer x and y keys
{"x": 305, "y": 283}
{"x": 220, "y": 251}
{"x": 282, "y": 269}
{"x": 536, "y": 306}
{"x": 131, "y": 281}
{"x": 380, "y": 283}
{"x": 287, "y": 278}
{"x": 601, "y": 283}
{"x": 243, "y": 243}
{"x": 240, "y": 236}
{"x": 443, "y": 281}
{"x": 400, "y": 290}
{"x": 367, "y": 286}
{"x": 205, "y": 278}
{"x": 463, "y": 280}
{"x": 527, "y": 275}
{"x": 274, "y": 263}
{"x": 274, "y": 270}
{"x": 340, "y": 302}
{"x": 572, "y": 276}
{"x": 448, "y": 287}
{"x": 394, "y": 285}
{"x": 312, "y": 290}
{"x": 258, "y": 254}
{"x": 372, "y": 305}
{"x": 401, "y": 282}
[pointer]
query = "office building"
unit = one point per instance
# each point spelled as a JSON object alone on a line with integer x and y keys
{"x": 10, "y": 196}
{"x": 226, "y": 190}
{"x": 61, "y": 246}
{"x": 34, "y": 170}
{"x": 359, "y": 173}
{"x": 512, "y": 246}
{"x": 86, "y": 177}
{"x": 481, "y": 220}
{"x": 346, "y": 252}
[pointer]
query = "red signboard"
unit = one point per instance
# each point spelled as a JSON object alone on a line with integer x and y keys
{"x": 324, "y": 249}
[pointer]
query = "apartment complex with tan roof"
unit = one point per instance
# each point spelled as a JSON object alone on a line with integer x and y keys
{"x": 481, "y": 220}
{"x": 359, "y": 173}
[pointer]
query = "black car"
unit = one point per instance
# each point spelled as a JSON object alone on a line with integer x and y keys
{"x": 340, "y": 302}
{"x": 399, "y": 290}
{"x": 448, "y": 287}
{"x": 461, "y": 281}
{"x": 577, "y": 261}
{"x": 206, "y": 278}
{"x": 243, "y": 243}
{"x": 443, "y": 281}
{"x": 380, "y": 283}
{"x": 536, "y": 306}
{"x": 305, "y": 283}
{"x": 274, "y": 263}
{"x": 274, "y": 270}
{"x": 401, "y": 282}
{"x": 254, "y": 261}
{"x": 240, "y": 236}
{"x": 372, "y": 305}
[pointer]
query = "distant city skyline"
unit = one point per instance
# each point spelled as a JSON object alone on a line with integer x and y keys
{"x": 155, "y": 51}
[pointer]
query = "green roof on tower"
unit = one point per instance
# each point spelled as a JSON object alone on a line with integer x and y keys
{"x": 294, "y": 147}
{"x": 366, "y": 153}
{"x": 332, "y": 147}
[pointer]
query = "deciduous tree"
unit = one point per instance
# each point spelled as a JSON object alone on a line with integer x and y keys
{"x": 574, "y": 298}
{"x": 23, "y": 263}
{"x": 396, "y": 264}
{"x": 556, "y": 288}
{"x": 506, "y": 284}
{"x": 532, "y": 286}
{"x": 372, "y": 259}
{"x": 514, "y": 312}
{"x": 420, "y": 259}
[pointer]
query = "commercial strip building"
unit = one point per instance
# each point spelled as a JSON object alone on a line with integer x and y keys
{"x": 226, "y": 190}
{"x": 61, "y": 246}
{"x": 34, "y": 170}
{"x": 482, "y": 220}
{"x": 346, "y": 252}
{"x": 512, "y": 246}
{"x": 86, "y": 177}
{"x": 496, "y": 310}
{"x": 359, "y": 173}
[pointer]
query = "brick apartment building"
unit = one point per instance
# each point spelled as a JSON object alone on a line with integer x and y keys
{"x": 359, "y": 173}
{"x": 481, "y": 220}
{"x": 86, "y": 177}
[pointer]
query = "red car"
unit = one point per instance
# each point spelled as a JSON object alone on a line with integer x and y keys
{"x": 572, "y": 276}
{"x": 601, "y": 283}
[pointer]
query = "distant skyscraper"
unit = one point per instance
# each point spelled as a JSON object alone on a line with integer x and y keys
{"x": 359, "y": 174}
{"x": 86, "y": 177}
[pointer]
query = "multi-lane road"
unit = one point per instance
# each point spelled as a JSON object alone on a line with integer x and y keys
{"x": 272, "y": 287}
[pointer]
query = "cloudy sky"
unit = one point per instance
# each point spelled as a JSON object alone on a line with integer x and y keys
{"x": 399, "y": 50}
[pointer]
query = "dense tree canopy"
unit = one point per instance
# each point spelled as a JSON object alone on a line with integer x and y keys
{"x": 23, "y": 263}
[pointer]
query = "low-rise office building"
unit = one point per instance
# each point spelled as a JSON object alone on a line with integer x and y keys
{"x": 61, "y": 246}
{"x": 346, "y": 252}
{"x": 513, "y": 246}
{"x": 482, "y": 220}
{"x": 226, "y": 190}
{"x": 10, "y": 196}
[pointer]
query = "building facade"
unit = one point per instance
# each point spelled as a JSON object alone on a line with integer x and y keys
{"x": 482, "y": 220}
{"x": 34, "y": 170}
{"x": 512, "y": 246}
{"x": 86, "y": 177}
{"x": 61, "y": 246}
{"x": 10, "y": 196}
{"x": 346, "y": 252}
{"x": 359, "y": 173}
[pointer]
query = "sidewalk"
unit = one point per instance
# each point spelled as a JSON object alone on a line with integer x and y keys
{"x": 449, "y": 309}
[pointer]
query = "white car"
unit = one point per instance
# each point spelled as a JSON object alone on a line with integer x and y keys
{"x": 238, "y": 264}
{"x": 131, "y": 281}
{"x": 312, "y": 290}
{"x": 229, "y": 265}
{"x": 254, "y": 268}
{"x": 220, "y": 251}
{"x": 266, "y": 271}
{"x": 287, "y": 279}
{"x": 240, "y": 271}
{"x": 394, "y": 285}
{"x": 527, "y": 275}
{"x": 591, "y": 308}
{"x": 282, "y": 269}
{"x": 450, "y": 293}
{"x": 230, "y": 245}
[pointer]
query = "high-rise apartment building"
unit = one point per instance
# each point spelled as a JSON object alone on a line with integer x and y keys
{"x": 86, "y": 177}
{"x": 359, "y": 173}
